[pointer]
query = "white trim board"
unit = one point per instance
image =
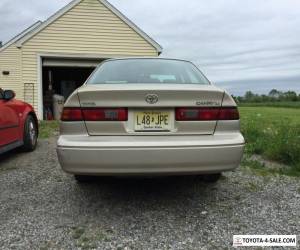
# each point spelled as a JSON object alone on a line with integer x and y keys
{"x": 40, "y": 107}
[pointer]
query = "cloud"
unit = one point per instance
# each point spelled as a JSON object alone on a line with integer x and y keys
{"x": 231, "y": 41}
{"x": 17, "y": 15}
{"x": 254, "y": 42}
{"x": 237, "y": 87}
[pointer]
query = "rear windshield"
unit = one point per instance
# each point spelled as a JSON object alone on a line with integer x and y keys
{"x": 147, "y": 71}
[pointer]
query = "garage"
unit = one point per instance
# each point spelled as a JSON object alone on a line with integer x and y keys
{"x": 60, "y": 77}
{"x": 50, "y": 59}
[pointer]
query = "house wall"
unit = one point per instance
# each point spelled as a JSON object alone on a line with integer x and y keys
{"x": 10, "y": 60}
{"x": 87, "y": 29}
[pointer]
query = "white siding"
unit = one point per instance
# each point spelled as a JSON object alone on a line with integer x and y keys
{"x": 10, "y": 60}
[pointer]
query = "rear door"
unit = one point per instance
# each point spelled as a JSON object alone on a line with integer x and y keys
{"x": 9, "y": 122}
{"x": 152, "y": 108}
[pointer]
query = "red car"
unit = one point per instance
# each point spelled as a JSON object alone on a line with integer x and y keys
{"x": 18, "y": 123}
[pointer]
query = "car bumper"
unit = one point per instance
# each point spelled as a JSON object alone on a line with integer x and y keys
{"x": 142, "y": 155}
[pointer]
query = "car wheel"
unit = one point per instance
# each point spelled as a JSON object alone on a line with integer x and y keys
{"x": 30, "y": 134}
{"x": 83, "y": 178}
{"x": 211, "y": 178}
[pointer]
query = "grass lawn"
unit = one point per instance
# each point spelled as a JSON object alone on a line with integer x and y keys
{"x": 269, "y": 115}
{"x": 273, "y": 133}
{"x": 47, "y": 128}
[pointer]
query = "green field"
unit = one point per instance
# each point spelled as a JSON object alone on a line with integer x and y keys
{"x": 270, "y": 115}
{"x": 273, "y": 133}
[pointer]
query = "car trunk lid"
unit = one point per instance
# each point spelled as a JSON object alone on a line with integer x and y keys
{"x": 154, "y": 101}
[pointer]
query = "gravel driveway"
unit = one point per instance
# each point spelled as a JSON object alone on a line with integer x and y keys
{"x": 41, "y": 207}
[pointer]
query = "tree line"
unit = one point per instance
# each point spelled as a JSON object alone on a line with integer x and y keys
{"x": 273, "y": 96}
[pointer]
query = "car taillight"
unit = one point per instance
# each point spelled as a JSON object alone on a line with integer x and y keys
{"x": 196, "y": 114}
{"x": 105, "y": 114}
{"x": 94, "y": 114}
{"x": 206, "y": 114}
{"x": 71, "y": 114}
{"x": 229, "y": 113}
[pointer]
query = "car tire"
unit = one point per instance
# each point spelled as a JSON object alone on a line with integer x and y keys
{"x": 83, "y": 178}
{"x": 211, "y": 178}
{"x": 30, "y": 134}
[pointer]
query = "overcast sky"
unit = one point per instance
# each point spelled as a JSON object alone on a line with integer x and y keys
{"x": 239, "y": 44}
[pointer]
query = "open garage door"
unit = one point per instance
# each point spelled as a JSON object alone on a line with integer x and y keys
{"x": 57, "y": 62}
{"x": 60, "y": 78}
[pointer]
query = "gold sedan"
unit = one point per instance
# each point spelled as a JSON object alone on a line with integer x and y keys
{"x": 149, "y": 116}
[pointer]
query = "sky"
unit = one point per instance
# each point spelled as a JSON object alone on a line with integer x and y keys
{"x": 239, "y": 45}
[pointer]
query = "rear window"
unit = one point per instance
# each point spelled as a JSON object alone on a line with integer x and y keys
{"x": 147, "y": 71}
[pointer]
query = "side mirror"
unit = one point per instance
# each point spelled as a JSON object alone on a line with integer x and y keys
{"x": 8, "y": 95}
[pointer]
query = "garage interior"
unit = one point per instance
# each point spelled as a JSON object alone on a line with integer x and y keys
{"x": 60, "y": 78}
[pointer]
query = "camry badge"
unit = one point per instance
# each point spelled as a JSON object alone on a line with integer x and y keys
{"x": 151, "y": 98}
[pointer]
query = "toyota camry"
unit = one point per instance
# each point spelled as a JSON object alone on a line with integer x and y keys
{"x": 149, "y": 116}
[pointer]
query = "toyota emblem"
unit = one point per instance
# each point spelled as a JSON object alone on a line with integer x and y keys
{"x": 151, "y": 98}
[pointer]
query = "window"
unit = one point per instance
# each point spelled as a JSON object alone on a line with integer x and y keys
{"x": 161, "y": 71}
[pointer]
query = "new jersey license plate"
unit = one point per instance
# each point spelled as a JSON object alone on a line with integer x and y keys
{"x": 152, "y": 121}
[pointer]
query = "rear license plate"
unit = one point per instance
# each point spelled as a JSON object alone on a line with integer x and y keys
{"x": 152, "y": 121}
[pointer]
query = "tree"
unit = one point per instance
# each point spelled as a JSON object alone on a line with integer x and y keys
{"x": 249, "y": 96}
{"x": 273, "y": 96}
{"x": 265, "y": 98}
{"x": 290, "y": 96}
{"x": 274, "y": 93}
